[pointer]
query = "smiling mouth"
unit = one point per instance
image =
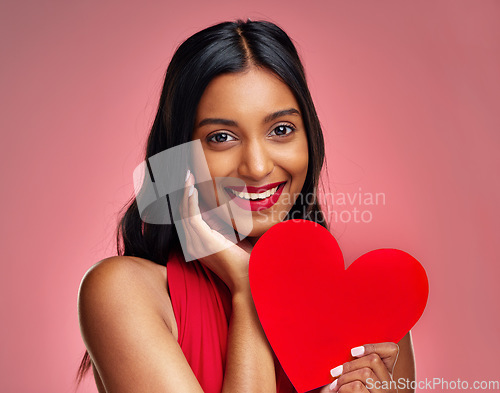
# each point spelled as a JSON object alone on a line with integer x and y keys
{"x": 258, "y": 198}
{"x": 255, "y": 196}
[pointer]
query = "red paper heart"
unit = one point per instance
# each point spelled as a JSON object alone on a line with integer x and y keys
{"x": 313, "y": 311}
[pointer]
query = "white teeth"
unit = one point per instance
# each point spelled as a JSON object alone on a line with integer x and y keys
{"x": 253, "y": 196}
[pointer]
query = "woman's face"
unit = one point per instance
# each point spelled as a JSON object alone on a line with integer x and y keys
{"x": 252, "y": 133}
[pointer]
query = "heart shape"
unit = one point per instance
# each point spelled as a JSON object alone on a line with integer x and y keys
{"x": 313, "y": 311}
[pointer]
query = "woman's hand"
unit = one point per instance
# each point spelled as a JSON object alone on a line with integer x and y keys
{"x": 208, "y": 235}
{"x": 371, "y": 371}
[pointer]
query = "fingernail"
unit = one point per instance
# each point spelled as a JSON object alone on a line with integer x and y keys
{"x": 191, "y": 190}
{"x": 358, "y": 351}
{"x": 333, "y": 384}
{"x": 336, "y": 371}
{"x": 187, "y": 175}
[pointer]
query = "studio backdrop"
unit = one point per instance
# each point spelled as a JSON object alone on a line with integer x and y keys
{"x": 408, "y": 96}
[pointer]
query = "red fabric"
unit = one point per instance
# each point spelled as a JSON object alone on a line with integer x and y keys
{"x": 202, "y": 308}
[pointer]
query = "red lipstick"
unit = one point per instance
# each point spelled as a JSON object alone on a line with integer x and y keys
{"x": 251, "y": 189}
{"x": 256, "y": 204}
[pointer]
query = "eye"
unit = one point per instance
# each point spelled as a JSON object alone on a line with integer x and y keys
{"x": 220, "y": 137}
{"x": 282, "y": 130}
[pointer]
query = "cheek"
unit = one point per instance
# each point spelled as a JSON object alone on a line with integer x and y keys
{"x": 217, "y": 165}
{"x": 299, "y": 165}
{"x": 295, "y": 161}
{"x": 220, "y": 164}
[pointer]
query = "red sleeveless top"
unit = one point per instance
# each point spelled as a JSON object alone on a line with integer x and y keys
{"x": 202, "y": 308}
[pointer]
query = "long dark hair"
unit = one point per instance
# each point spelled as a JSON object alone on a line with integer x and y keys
{"x": 227, "y": 47}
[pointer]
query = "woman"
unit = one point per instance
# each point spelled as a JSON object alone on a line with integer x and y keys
{"x": 237, "y": 89}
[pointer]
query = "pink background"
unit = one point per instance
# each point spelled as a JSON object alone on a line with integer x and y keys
{"x": 408, "y": 94}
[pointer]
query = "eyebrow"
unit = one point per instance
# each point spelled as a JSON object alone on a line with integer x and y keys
{"x": 232, "y": 123}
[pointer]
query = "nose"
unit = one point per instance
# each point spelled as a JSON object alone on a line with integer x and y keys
{"x": 256, "y": 161}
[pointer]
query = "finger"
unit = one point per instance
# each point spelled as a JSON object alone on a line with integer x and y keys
{"x": 387, "y": 351}
{"x": 364, "y": 375}
{"x": 194, "y": 216}
{"x": 186, "y": 236}
{"x": 187, "y": 183}
{"x": 354, "y": 387}
{"x": 200, "y": 228}
{"x": 204, "y": 239}
{"x": 183, "y": 205}
{"x": 196, "y": 229}
{"x": 192, "y": 198}
{"x": 371, "y": 361}
{"x": 205, "y": 221}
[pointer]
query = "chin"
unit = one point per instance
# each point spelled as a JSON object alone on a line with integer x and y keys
{"x": 260, "y": 227}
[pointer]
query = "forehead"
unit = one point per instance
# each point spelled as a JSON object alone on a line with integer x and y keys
{"x": 253, "y": 92}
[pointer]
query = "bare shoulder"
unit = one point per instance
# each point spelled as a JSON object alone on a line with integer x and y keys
{"x": 128, "y": 326}
{"x": 123, "y": 281}
{"x": 117, "y": 267}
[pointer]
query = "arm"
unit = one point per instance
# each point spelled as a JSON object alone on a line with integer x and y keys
{"x": 250, "y": 366}
{"x": 132, "y": 345}
{"x": 128, "y": 339}
{"x": 405, "y": 365}
{"x": 249, "y": 363}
